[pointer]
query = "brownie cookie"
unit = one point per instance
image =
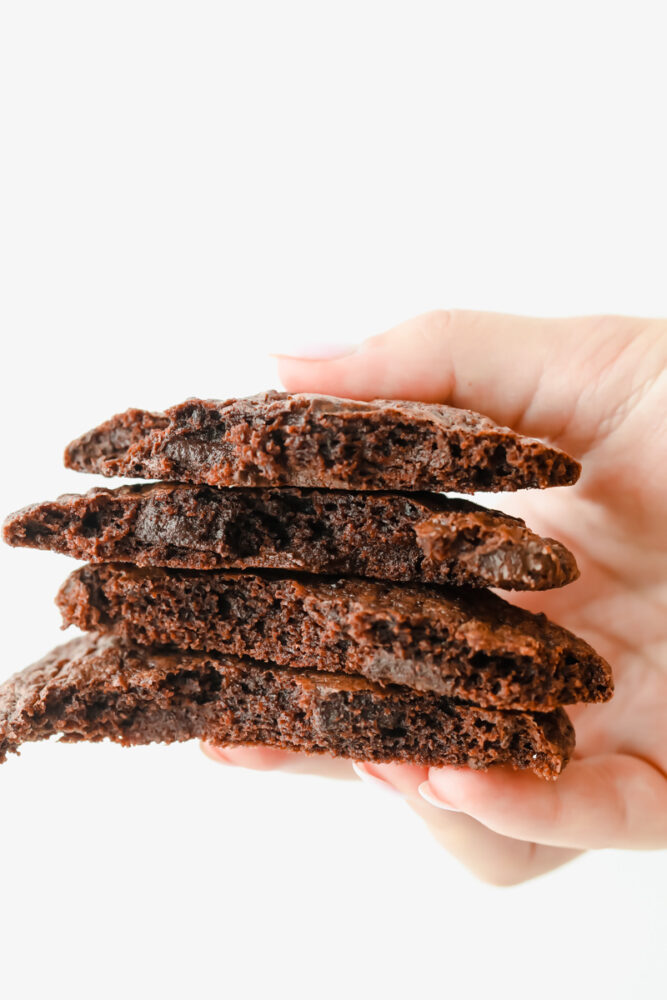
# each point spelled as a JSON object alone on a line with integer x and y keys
{"x": 277, "y": 439}
{"x": 96, "y": 687}
{"x": 465, "y": 644}
{"x": 395, "y": 536}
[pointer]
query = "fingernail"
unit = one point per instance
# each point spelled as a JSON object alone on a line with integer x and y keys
{"x": 315, "y": 352}
{"x": 372, "y": 779}
{"x": 427, "y": 793}
{"x": 214, "y": 753}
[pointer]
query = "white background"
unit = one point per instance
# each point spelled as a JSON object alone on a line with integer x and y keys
{"x": 185, "y": 186}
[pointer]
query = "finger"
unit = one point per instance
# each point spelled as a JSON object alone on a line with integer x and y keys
{"x": 613, "y": 800}
{"x": 489, "y": 362}
{"x": 253, "y": 758}
{"x": 402, "y": 778}
{"x": 258, "y": 758}
{"x": 489, "y": 856}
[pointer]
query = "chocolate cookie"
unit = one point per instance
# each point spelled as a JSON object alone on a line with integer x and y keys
{"x": 96, "y": 687}
{"x": 465, "y": 644}
{"x": 395, "y": 536}
{"x": 277, "y": 439}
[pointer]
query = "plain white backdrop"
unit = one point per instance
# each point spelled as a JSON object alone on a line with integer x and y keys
{"x": 184, "y": 187}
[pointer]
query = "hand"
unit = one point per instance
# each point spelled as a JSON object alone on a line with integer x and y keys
{"x": 596, "y": 387}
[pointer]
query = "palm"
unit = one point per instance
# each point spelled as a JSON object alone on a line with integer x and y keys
{"x": 612, "y": 520}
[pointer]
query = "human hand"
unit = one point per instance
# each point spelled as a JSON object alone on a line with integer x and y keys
{"x": 597, "y": 387}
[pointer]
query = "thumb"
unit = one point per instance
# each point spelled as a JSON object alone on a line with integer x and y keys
{"x": 614, "y": 800}
{"x": 540, "y": 376}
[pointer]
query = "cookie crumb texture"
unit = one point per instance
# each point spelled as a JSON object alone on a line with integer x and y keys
{"x": 278, "y": 439}
{"x": 464, "y": 644}
{"x": 96, "y": 687}
{"x": 394, "y": 536}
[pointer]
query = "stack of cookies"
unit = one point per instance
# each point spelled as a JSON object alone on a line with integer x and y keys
{"x": 297, "y": 579}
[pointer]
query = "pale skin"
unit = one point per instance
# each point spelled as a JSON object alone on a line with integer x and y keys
{"x": 597, "y": 387}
